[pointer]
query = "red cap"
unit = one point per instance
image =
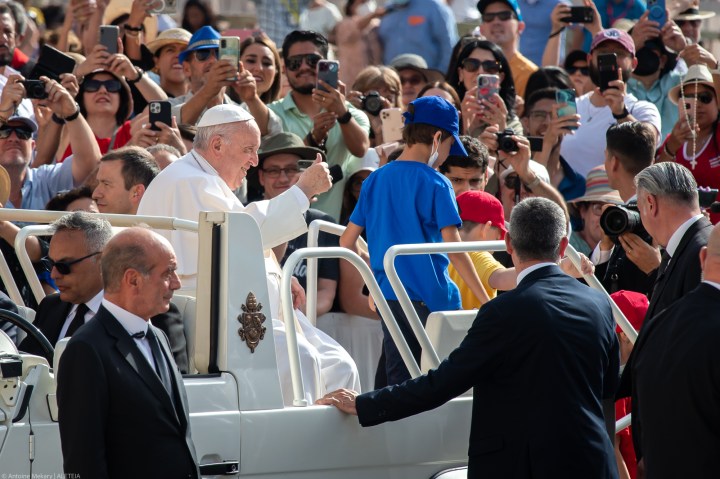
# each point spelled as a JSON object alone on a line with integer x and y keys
{"x": 633, "y": 305}
{"x": 614, "y": 35}
{"x": 481, "y": 207}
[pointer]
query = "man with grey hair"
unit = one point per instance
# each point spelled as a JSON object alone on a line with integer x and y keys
{"x": 225, "y": 148}
{"x": 73, "y": 261}
{"x": 547, "y": 348}
{"x": 670, "y": 212}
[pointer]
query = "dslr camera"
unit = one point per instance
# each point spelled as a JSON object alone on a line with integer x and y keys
{"x": 372, "y": 103}
{"x": 505, "y": 141}
{"x": 34, "y": 89}
{"x": 617, "y": 220}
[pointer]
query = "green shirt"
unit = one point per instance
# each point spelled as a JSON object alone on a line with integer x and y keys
{"x": 299, "y": 123}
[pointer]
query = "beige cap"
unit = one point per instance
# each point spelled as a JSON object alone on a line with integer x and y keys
{"x": 168, "y": 37}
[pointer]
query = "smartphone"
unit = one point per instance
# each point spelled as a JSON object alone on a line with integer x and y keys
{"x": 392, "y": 124}
{"x": 159, "y": 7}
{"x": 160, "y": 111}
{"x": 336, "y": 172}
{"x": 305, "y": 164}
{"x": 657, "y": 11}
{"x": 608, "y": 69}
{"x": 327, "y": 71}
{"x": 34, "y": 89}
{"x": 570, "y": 108}
{"x": 580, "y": 15}
{"x": 52, "y": 63}
{"x": 109, "y": 35}
{"x": 230, "y": 51}
{"x": 488, "y": 85}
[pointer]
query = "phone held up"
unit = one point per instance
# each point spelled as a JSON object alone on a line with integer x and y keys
{"x": 327, "y": 71}
{"x": 488, "y": 85}
{"x": 160, "y": 112}
{"x": 568, "y": 98}
{"x": 608, "y": 69}
{"x": 109, "y": 35}
{"x": 230, "y": 51}
{"x": 580, "y": 15}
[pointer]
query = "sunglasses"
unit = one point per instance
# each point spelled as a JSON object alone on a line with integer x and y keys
{"x": 205, "y": 53}
{"x": 473, "y": 64}
{"x": 704, "y": 97}
{"x": 111, "y": 86}
{"x": 503, "y": 16}
{"x": 681, "y": 23}
{"x": 20, "y": 131}
{"x": 63, "y": 267}
{"x": 412, "y": 80}
{"x": 585, "y": 71}
{"x": 513, "y": 182}
{"x": 294, "y": 62}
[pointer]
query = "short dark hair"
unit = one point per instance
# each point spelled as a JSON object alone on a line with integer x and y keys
{"x": 62, "y": 200}
{"x": 633, "y": 144}
{"x": 17, "y": 11}
{"x": 297, "y": 36}
{"x": 477, "y": 156}
{"x": 538, "y": 95}
{"x": 421, "y": 133}
{"x": 139, "y": 166}
{"x": 546, "y": 77}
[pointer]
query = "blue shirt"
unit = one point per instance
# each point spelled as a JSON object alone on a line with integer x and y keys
{"x": 407, "y": 202}
{"x": 43, "y": 183}
{"x": 535, "y": 14}
{"x": 658, "y": 94}
{"x": 425, "y": 27}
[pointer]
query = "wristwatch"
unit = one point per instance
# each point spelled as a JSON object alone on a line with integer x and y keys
{"x": 345, "y": 119}
{"x": 625, "y": 113}
{"x": 140, "y": 73}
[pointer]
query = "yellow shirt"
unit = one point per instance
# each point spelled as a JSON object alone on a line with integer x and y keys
{"x": 521, "y": 69}
{"x": 485, "y": 265}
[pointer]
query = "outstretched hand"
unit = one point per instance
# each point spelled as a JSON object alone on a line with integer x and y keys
{"x": 343, "y": 399}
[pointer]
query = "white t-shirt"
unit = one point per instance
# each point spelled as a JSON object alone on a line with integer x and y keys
{"x": 586, "y": 148}
{"x": 321, "y": 19}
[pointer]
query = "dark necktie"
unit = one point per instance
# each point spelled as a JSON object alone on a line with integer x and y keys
{"x": 161, "y": 366}
{"x": 78, "y": 320}
{"x": 664, "y": 262}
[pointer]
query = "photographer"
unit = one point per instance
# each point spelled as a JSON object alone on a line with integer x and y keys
{"x": 376, "y": 88}
{"x": 630, "y": 261}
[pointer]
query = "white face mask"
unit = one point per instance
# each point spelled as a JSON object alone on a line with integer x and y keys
{"x": 366, "y": 8}
{"x": 433, "y": 156}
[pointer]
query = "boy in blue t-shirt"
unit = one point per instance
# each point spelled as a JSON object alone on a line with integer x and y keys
{"x": 405, "y": 202}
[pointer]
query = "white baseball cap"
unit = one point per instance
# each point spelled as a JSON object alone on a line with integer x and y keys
{"x": 222, "y": 114}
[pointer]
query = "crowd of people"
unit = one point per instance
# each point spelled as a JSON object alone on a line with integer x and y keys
{"x": 527, "y": 113}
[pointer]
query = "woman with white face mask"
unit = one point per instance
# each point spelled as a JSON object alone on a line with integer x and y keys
{"x": 357, "y": 40}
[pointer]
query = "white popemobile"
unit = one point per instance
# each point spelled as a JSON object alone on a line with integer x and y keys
{"x": 239, "y": 423}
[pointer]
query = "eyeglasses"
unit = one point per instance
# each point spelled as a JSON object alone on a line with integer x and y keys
{"x": 596, "y": 208}
{"x": 513, "y": 182}
{"x": 503, "y": 16}
{"x": 539, "y": 115}
{"x": 473, "y": 64}
{"x": 63, "y": 267}
{"x": 294, "y": 62}
{"x": 20, "y": 131}
{"x": 291, "y": 172}
{"x": 205, "y": 53}
{"x": 111, "y": 86}
{"x": 704, "y": 97}
{"x": 585, "y": 71}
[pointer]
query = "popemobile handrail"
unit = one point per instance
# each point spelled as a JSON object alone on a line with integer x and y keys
{"x": 38, "y": 216}
{"x": 287, "y": 305}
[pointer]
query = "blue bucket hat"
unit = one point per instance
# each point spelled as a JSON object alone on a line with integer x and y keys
{"x": 436, "y": 111}
{"x": 206, "y": 37}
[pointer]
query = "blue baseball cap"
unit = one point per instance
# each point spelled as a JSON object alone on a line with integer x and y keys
{"x": 513, "y": 4}
{"x": 206, "y": 37}
{"x": 436, "y": 111}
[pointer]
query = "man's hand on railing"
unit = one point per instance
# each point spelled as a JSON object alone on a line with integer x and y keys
{"x": 343, "y": 399}
{"x": 298, "y": 294}
{"x": 587, "y": 266}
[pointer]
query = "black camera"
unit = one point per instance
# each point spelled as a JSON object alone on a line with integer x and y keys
{"x": 34, "y": 89}
{"x": 617, "y": 220}
{"x": 505, "y": 141}
{"x": 706, "y": 196}
{"x": 372, "y": 103}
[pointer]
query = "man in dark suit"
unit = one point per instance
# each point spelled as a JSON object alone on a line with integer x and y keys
{"x": 541, "y": 359}
{"x": 121, "y": 400}
{"x": 74, "y": 264}
{"x": 676, "y": 385}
